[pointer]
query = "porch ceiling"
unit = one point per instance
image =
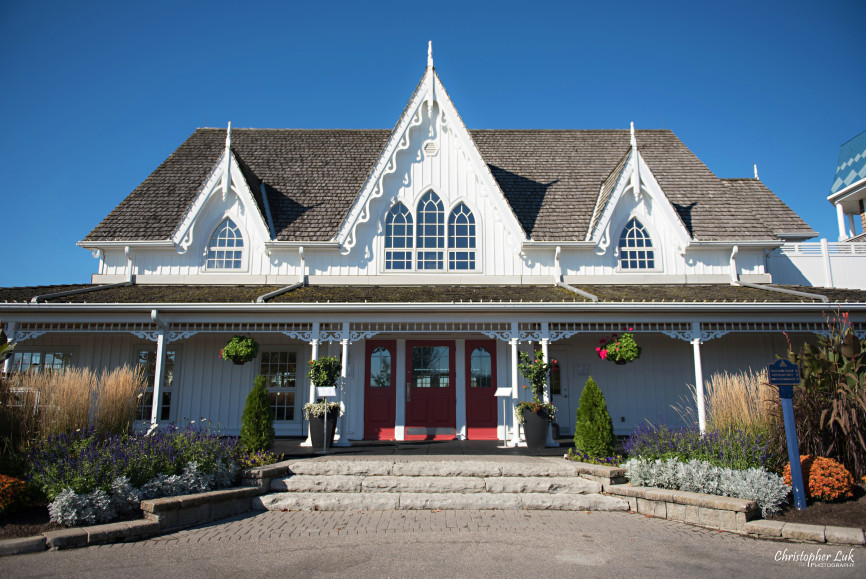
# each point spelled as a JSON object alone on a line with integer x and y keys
{"x": 239, "y": 294}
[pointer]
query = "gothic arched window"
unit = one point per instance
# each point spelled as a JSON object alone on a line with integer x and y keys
{"x": 636, "y": 247}
{"x": 399, "y": 238}
{"x": 431, "y": 232}
{"x": 461, "y": 238}
{"x": 226, "y": 247}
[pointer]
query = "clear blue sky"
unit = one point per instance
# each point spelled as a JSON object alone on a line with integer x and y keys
{"x": 94, "y": 95}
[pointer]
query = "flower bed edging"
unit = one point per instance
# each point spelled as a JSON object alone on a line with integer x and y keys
{"x": 161, "y": 515}
{"x": 724, "y": 513}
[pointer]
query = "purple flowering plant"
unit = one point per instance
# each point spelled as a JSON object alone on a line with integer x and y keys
{"x": 85, "y": 461}
{"x": 735, "y": 448}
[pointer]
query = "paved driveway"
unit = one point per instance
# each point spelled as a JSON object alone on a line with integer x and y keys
{"x": 475, "y": 544}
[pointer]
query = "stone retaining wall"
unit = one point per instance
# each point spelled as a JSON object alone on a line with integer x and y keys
{"x": 724, "y": 513}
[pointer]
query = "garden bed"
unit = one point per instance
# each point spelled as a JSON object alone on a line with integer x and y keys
{"x": 850, "y": 513}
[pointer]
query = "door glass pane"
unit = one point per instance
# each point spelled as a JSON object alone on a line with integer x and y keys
{"x": 480, "y": 375}
{"x": 555, "y": 380}
{"x": 430, "y": 366}
{"x": 380, "y": 368}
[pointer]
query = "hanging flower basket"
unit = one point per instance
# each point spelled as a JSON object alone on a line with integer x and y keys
{"x": 240, "y": 350}
{"x": 619, "y": 348}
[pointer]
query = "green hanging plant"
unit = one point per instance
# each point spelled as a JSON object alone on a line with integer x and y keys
{"x": 240, "y": 350}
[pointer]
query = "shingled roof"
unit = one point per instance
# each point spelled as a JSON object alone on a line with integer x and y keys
{"x": 551, "y": 178}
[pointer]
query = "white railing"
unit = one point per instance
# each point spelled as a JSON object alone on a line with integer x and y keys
{"x": 823, "y": 264}
{"x": 814, "y": 248}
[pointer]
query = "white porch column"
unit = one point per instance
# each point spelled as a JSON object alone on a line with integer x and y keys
{"x": 159, "y": 376}
{"x": 699, "y": 377}
{"x": 339, "y": 439}
{"x": 402, "y": 384}
{"x": 314, "y": 355}
{"x": 851, "y": 227}
{"x": 515, "y": 389}
{"x": 828, "y": 266}
{"x": 840, "y": 218}
{"x": 545, "y": 343}
{"x": 10, "y": 335}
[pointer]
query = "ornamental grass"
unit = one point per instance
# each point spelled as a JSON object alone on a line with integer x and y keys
{"x": 739, "y": 401}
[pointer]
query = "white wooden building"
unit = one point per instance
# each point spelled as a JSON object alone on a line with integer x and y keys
{"x": 425, "y": 257}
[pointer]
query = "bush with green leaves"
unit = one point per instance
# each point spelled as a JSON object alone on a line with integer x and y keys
{"x": 593, "y": 428}
{"x": 257, "y": 420}
{"x": 768, "y": 490}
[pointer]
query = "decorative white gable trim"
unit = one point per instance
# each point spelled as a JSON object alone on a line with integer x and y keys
{"x": 429, "y": 91}
{"x": 636, "y": 175}
{"x": 225, "y": 177}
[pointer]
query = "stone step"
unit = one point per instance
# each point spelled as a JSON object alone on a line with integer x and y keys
{"x": 435, "y": 484}
{"x": 378, "y": 501}
{"x": 529, "y": 467}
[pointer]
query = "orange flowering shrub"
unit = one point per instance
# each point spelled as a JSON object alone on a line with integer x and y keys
{"x": 13, "y": 493}
{"x": 824, "y": 478}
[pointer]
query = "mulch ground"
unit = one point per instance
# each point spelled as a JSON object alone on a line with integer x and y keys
{"x": 849, "y": 513}
{"x": 33, "y": 520}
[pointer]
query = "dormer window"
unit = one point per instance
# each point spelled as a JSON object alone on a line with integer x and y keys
{"x": 636, "y": 247}
{"x": 226, "y": 247}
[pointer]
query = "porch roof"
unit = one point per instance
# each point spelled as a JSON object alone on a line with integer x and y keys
{"x": 360, "y": 294}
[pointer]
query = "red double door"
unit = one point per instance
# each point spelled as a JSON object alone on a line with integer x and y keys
{"x": 430, "y": 394}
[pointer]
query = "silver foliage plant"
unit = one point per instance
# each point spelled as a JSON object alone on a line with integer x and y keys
{"x": 97, "y": 507}
{"x": 763, "y": 487}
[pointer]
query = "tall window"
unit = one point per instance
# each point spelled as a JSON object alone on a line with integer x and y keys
{"x": 399, "y": 236}
{"x": 147, "y": 360}
{"x": 225, "y": 250}
{"x": 280, "y": 372}
{"x": 461, "y": 238}
{"x": 431, "y": 232}
{"x": 636, "y": 247}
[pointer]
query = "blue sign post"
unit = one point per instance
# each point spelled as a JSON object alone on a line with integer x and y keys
{"x": 785, "y": 375}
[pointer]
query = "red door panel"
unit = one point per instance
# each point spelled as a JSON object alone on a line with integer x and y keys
{"x": 481, "y": 414}
{"x": 430, "y": 393}
{"x": 380, "y": 385}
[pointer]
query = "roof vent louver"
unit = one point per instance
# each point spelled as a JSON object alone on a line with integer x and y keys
{"x": 431, "y": 148}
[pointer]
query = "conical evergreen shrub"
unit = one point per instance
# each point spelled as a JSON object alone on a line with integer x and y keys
{"x": 593, "y": 429}
{"x": 257, "y": 421}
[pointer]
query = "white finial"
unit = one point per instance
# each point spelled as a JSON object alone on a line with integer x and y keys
{"x": 429, "y": 54}
{"x": 756, "y": 171}
{"x": 633, "y": 140}
{"x": 227, "y": 177}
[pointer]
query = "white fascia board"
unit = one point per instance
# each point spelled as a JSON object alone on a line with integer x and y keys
{"x": 360, "y": 211}
{"x": 849, "y": 195}
{"x": 148, "y": 244}
{"x": 430, "y": 89}
{"x": 529, "y": 244}
{"x": 662, "y": 201}
{"x": 307, "y": 245}
{"x": 182, "y": 237}
{"x": 759, "y": 244}
{"x": 455, "y": 122}
{"x": 635, "y": 162}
